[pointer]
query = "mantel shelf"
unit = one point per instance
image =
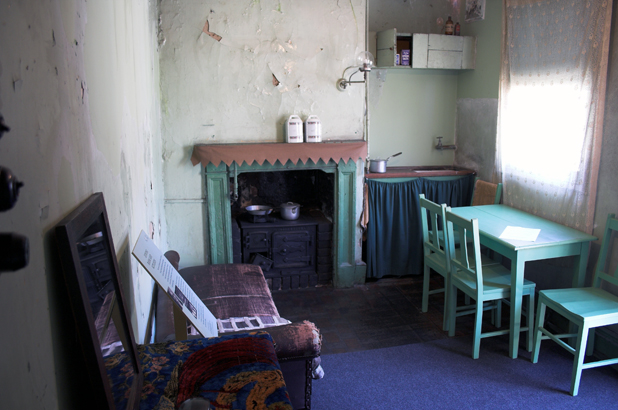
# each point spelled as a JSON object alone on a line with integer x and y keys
{"x": 344, "y": 150}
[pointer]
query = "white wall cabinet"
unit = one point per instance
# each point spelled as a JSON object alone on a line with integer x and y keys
{"x": 435, "y": 51}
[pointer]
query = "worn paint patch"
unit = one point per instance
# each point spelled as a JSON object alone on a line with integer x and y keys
{"x": 213, "y": 35}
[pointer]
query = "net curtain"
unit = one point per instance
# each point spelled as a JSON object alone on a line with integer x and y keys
{"x": 394, "y": 235}
{"x": 552, "y": 97}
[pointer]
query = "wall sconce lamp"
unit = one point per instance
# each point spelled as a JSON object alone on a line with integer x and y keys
{"x": 364, "y": 62}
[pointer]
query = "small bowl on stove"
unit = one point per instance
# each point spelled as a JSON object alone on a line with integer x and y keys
{"x": 259, "y": 209}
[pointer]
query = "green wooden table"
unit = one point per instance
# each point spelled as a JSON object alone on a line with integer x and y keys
{"x": 554, "y": 241}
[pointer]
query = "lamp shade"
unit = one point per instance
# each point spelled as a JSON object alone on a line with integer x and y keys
{"x": 364, "y": 60}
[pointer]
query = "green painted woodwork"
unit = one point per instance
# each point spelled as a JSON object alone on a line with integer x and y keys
{"x": 434, "y": 250}
{"x": 554, "y": 241}
{"x": 345, "y": 228}
{"x": 219, "y": 214}
{"x": 483, "y": 283}
{"x": 346, "y": 273}
{"x": 585, "y": 308}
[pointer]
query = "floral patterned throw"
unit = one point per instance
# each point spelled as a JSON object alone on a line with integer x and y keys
{"x": 238, "y": 371}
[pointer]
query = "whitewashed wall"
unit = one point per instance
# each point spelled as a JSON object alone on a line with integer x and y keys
{"x": 79, "y": 89}
{"x": 222, "y": 91}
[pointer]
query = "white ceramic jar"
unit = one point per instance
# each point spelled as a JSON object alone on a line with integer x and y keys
{"x": 313, "y": 129}
{"x": 294, "y": 129}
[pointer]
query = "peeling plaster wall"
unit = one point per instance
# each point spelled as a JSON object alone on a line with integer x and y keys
{"x": 220, "y": 61}
{"x": 79, "y": 90}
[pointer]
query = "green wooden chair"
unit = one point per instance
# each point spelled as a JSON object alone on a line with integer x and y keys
{"x": 479, "y": 282}
{"x": 586, "y": 308}
{"x": 435, "y": 253}
{"x": 434, "y": 249}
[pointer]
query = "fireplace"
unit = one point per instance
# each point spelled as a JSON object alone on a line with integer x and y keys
{"x": 292, "y": 254}
{"x": 227, "y": 165}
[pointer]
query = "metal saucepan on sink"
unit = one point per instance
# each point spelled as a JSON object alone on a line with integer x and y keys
{"x": 379, "y": 165}
{"x": 259, "y": 209}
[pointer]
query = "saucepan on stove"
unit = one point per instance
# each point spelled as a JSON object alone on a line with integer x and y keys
{"x": 259, "y": 209}
{"x": 379, "y": 165}
{"x": 290, "y": 211}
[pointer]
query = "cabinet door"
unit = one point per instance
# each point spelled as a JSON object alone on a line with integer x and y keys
{"x": 420, "y": 47}
{"x": 444, "y": 59}
{"x": 386, "y": 48}
{"x": 443, "y": 42}
{"x": 443, "y": 52}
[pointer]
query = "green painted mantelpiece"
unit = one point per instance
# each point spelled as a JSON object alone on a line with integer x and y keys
{"x": 346, "y": 270}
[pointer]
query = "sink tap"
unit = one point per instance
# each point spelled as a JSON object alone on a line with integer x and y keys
{"x": 441, "y": 147}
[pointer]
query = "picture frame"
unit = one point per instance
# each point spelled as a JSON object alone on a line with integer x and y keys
{"x": 475, "y": 10}
{"x": 88, "y": 259}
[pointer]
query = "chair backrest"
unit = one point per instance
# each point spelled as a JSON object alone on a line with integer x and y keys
{"x": 601, "y": 273}
{"x": 460, "y": 261}
{"x": 432, "y": 221}
{"x": 486, "y": 193}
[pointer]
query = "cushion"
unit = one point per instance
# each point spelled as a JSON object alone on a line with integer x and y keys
{"x": 236, "y": 371}
{"x": 227, "y": 290}
{"x": 231, "y": 290}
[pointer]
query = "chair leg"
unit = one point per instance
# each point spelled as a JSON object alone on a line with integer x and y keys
{"x": 530, "y": 322}
{"x": 580, "y": 352}
{"x": 540, "y": 321}
{"x": 478, "y": 324}
{"x": 425, "y": 305}
{"x": 451, "y": 296}
{"x": 590, "y": 345}
{"x": 499, "y": 314}
{"x": 445, "y": 317}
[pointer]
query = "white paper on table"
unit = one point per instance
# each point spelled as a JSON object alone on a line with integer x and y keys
{"x": 520, "y": 234}
{"x": 162, "y": 271}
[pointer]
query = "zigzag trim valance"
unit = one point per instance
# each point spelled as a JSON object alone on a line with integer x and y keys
{"x": 282, "y": 152}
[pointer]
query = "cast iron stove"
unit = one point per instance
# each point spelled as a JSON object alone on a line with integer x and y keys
{"x": 286, "y": 250}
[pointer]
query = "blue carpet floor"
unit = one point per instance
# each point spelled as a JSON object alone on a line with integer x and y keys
{"x": 442, "y": 375}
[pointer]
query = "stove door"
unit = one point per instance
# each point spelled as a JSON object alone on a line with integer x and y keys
{"x": 255, "y": 240}
{"x": 293, "y": 249}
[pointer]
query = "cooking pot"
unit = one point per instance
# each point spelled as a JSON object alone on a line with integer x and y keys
{"x": 290, "y": 211}
{"x": 259, "y": 209}
{"x": 379, "y": 165}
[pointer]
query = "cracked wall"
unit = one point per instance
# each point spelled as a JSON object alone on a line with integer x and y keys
{"x": 79, "y": 90}
{"x": 233, "y": 72}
